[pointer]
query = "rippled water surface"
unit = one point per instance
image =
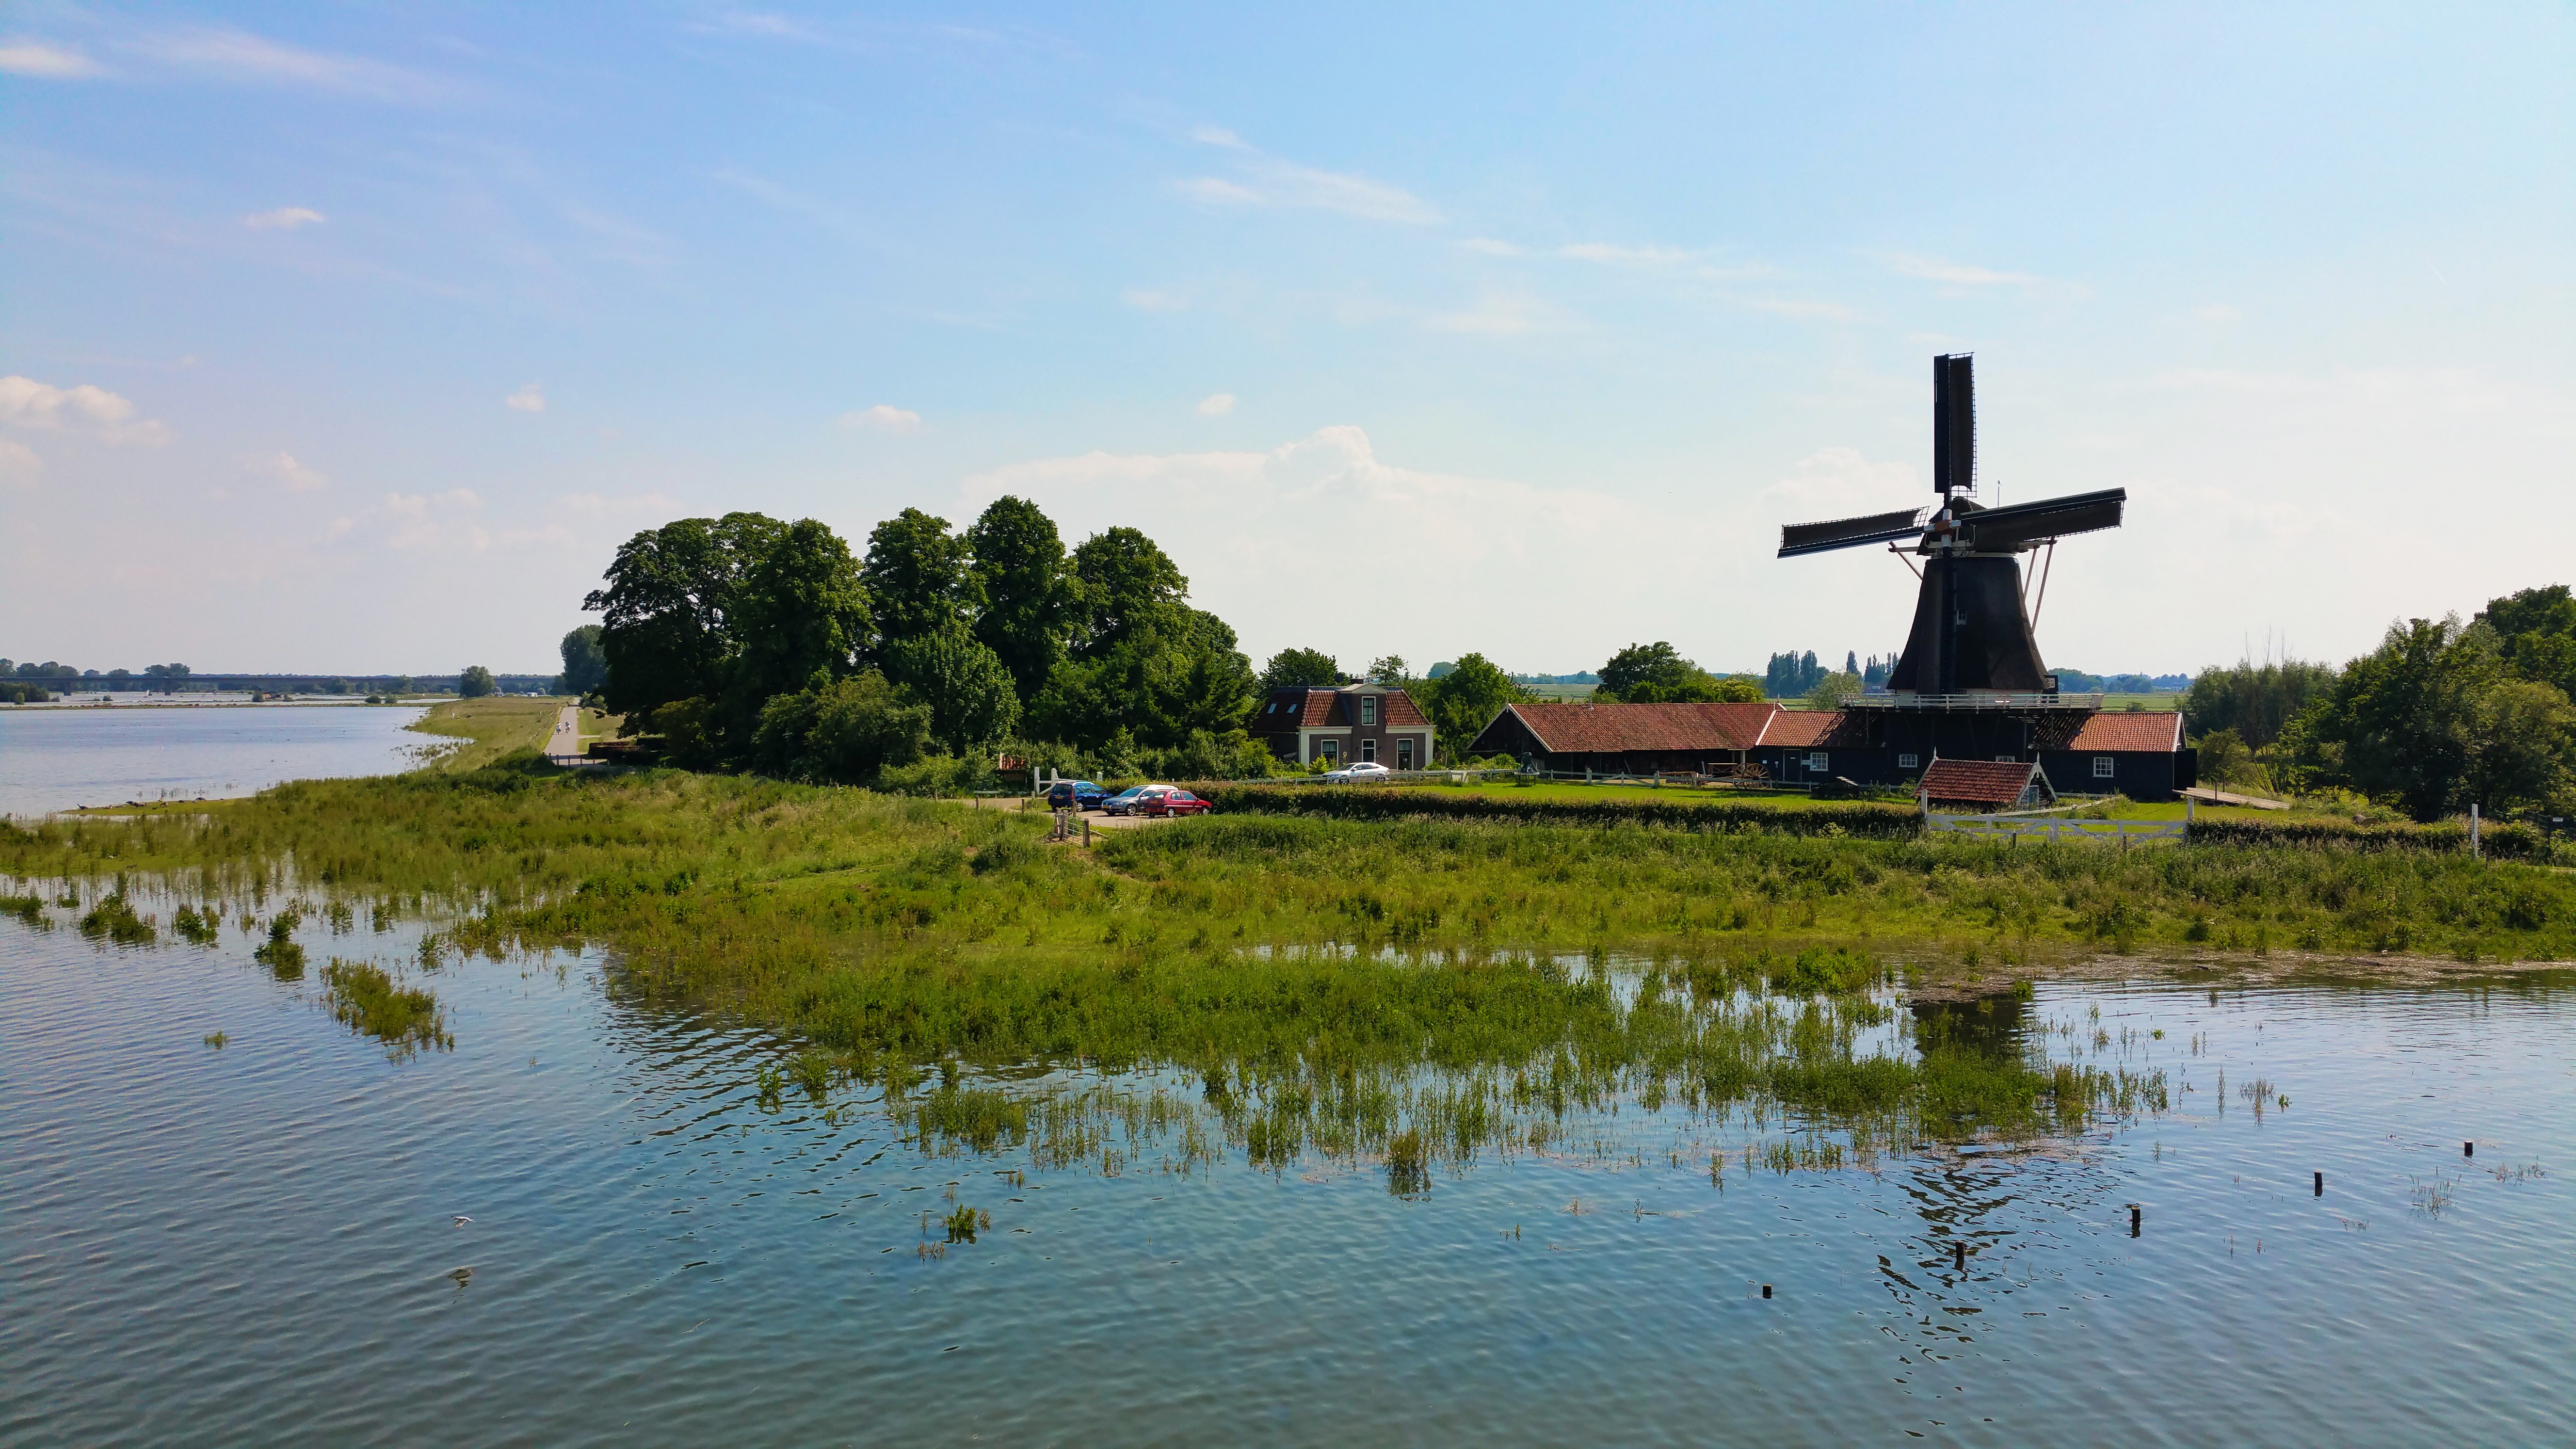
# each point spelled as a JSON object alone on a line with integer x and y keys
{"x": 253, "y": 1244}
{"x": 56, "y": 758}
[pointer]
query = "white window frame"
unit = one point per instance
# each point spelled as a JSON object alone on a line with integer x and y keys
{"x": 1908, "y": 762}
{"x": 2007, "y": 759}
{"x": 1818, "y": 761}
{"x": 1368, "y": 711}
{"x": 1330, "y": 750}
{"x": 1368, "y": 752}
{"x": 1404, "y": 754}
{"x": 2104, "y": 766}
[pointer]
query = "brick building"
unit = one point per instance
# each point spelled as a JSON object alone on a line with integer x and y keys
{"x": 1345, "y": 724}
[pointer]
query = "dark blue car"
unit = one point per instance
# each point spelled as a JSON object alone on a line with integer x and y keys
{"x": 1075, "y": 795}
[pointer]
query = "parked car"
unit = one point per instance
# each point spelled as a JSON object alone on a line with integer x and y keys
{"x": 1363, "y": 770}
{"x": 1125, "y": 800}
{"x": 1171, "y": 802}
{"x": 1075, "y": 795}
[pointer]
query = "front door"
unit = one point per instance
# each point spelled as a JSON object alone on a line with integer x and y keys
{"x": 1404, "y": 754}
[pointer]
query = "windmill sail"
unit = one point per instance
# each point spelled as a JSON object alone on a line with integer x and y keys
{"x": 1995, "y": 528}
{"x": 1954, "y": 424}
{"x": 1801, "y": 538}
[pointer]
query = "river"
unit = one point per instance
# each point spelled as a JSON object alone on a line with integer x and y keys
{"x": 55, "y": 757}
{"x": 259, "y": 1242}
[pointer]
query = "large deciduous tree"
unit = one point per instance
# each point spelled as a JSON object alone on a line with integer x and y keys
{"x": 919, "y": 576}
{"x": 1020, "y": 567}
{"x": 1122, "y": 583}
{"x": 668, "y": 630}
{"x": 585, "y": 667}
{"x": 1291, "y": 667}
{"x": 800, "y": 615}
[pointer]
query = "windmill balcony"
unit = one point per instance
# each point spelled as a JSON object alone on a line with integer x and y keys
{"x": 1979, "y": 699}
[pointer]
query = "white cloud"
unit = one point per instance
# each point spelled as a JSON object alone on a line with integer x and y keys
{"x": 284, "y": 218}
{"x": 1216, "y": 405}
{"x": 529, "y": 399}
{"x": 1612, "y": 254}
{"x": 19, "y": 464}
{"x": 1841, "y": 483}
{"x": 92, "y": 411}
{"x": 1962, "y": 274}
{"x": 1269, "y": 181}
{"x": 238, "y": 55}
{"x": 1375, "y": 555}
{"x": 883, "y": 418}
{"x": 428, "y": 522}
{"x": 2217, "y": 312}
{"x": 282, "y": 468}
{"x": 1153, "y": 301}
{"x": 1501, "y": 316}
{"x": 1801, "y": 309}
{"x": 49, "y": 62}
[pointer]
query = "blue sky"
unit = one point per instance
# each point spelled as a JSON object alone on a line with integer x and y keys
{"x": 356, "y": 338}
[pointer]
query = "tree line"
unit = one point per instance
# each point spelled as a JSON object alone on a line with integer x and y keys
{"x": 2442, "y": 715}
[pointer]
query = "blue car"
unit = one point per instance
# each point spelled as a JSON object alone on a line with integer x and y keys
{"x": 1075, "y": 795}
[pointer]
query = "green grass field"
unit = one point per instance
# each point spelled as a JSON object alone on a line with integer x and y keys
{"x": 490, "y": 728}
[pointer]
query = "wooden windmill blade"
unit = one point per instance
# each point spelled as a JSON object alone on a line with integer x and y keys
{"x": 1805, "y": 538}
{"x": 2023, "y": 523}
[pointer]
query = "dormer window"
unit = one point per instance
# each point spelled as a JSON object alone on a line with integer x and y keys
{"x": 1368, "y": 711}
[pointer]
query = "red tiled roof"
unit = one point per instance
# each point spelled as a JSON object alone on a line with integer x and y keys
{"x": 1570, "y": 727}
{"x": 1321, "y": 706}
{"x": 1813, "y": 729}
{"x": 2147, "y": 731}
{"x": 1977, "y": 782}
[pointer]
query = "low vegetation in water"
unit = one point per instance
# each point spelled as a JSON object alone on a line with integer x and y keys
{"x": 112, "y": 919}
{"x": 1410, "y": 992}
{"x": 367, "y": 999}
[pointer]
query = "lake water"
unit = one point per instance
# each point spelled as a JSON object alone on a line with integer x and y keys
{"x": 56, "y": 758}
{"x": 252, "y": 1244}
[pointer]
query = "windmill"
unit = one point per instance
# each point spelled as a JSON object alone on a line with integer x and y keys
{"x": 1971, "y": 627}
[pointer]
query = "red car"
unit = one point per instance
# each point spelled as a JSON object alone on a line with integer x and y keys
{"x": 1170, "y": 802}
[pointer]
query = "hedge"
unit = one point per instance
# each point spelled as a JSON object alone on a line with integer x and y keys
{"x": 1371, "y": 802}
{"x": 2502, "y": 841}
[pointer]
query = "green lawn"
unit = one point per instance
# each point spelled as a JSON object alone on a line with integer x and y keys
{"x": 1577, "y": 790}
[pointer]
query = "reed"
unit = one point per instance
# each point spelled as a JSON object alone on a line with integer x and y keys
{"x": 367, "y": 999}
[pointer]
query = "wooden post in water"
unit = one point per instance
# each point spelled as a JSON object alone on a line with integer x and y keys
{"x": 1959, "y": 1257}
{"x": 2321, "y": 1184}
{"x": 2468, "y": 1149}
{"x": 2134, "y": 1213}
{"x": 1766, "y": 1290}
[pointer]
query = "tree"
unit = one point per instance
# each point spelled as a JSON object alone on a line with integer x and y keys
{"x": 1020, "y": 570}
{"x": 1657, "y": 674}
{"x": 1851, "y": 662}
{"x": 1389, "y": 669}
{"x": 1833, "y": 691}
{"x": 669, "y": 628}
{"x": 919, "y": 577}
{"x": 475, "y": 683}
{"x": 1291, "y": 667}
{"x": 964, "y": 683}
{"x": 2257, "y": 701}
{"x": 1465, "y": 700}
{"x": 801, "y": 616}
{"x": 2538, "y": 630}
{"x": 158, "y": 671}
{"x": 843, "y": 733}
{"x": 1122, "y": 582}
{"x": 1158, "y": 683}
{"x": 585, "y": 667}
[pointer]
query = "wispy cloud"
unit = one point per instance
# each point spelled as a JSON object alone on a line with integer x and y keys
{"x": 46, "y": 62}
{"x": 1963, "y": 274}
{"x": 1490, "y": 247}
{"x": 1501, "y": 315}
{"x": 82, "y": 410}
{"x": 1216, "y": 405}
{"x": 19, "y": 465}
{"x": 1149, "y": 300}
{"x": 284, "y": 218}
{"x": 529, "y": 399}
{"x": 883, "y": 418}
{"x": 1264, "y": 180}
{"x": 283, "y": 468}
{"x": 238, "y": 55}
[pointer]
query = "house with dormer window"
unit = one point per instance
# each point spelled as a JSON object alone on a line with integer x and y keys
{"x": 1344, "y": 725}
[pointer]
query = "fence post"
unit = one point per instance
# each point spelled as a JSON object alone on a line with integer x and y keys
{"x": 2474, "y": 852}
